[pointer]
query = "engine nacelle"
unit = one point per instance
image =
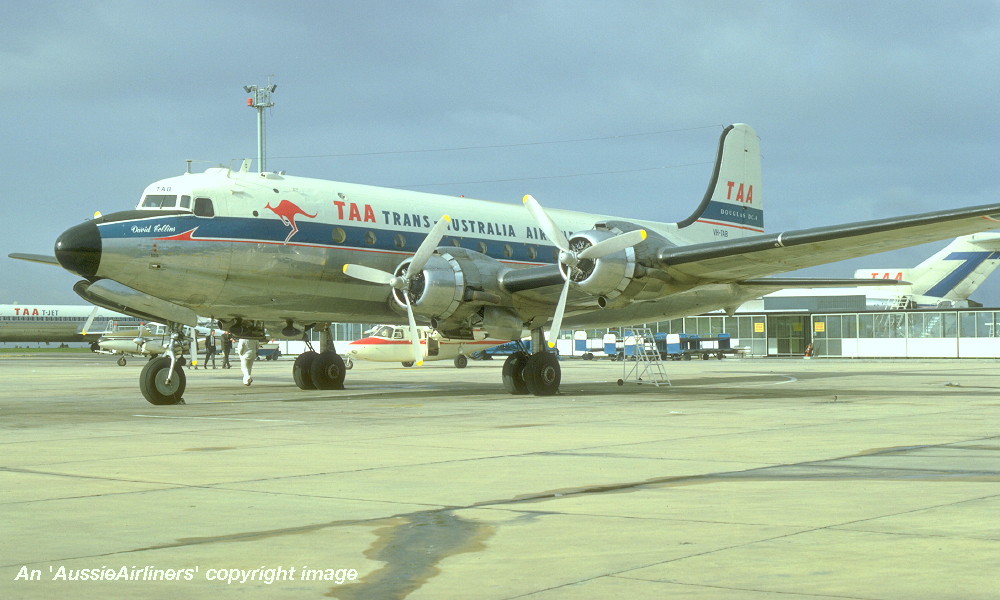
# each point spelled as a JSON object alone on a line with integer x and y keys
{"x": 437, "y": 291}
{"x": 452, "y": 289}
{"x": 608, "y": 277}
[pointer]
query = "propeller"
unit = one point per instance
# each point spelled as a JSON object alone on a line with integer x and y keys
{"x": 90, "y": 321}
{"x": 571, "y": 258}
{"x": 402, "y": 282}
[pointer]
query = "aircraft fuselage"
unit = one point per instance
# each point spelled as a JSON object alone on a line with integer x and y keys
{"x": 219, "y": 242}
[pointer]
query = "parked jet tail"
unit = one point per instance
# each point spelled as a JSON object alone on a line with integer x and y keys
{"x": 733, "y": 205}
{"x": 954, "y": 273}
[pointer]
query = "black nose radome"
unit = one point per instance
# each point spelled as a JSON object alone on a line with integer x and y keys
{"x": 78, "y": 249}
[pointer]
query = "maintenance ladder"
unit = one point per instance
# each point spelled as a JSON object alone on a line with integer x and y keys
{"x": 644, "y": 365}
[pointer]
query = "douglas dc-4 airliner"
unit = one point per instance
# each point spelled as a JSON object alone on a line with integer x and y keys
{"x": 267, "y": 252}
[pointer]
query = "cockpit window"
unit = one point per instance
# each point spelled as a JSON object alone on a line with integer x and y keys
{"x": 397, "y": 334}
{"x": 203, "y": 207}
{"x": 186, "y": 202}
{"x": 159, "y": 201}
{"x": 385, "y": 332}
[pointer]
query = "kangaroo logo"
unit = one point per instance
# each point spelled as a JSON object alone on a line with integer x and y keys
{"x": 287, "y": 212}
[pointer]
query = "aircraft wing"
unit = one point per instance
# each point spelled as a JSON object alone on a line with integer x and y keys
{"x": 759, "y": 256}
{"x": 809, "y": 282}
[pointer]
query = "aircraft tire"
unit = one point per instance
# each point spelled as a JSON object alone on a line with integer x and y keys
{"x": 302, "y": 370}
{"x": 407, "y": 363}
{"x": 121, "y": 361}
{"x": 513, "y": 373}
{"x": 328, "y": 371}
{"x": 153, "y": 384}
{"x": 461, "y": 361}
{"x": 542, "y": 374}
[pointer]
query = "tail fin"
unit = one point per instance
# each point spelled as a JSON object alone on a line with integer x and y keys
{"x": 953, "y": 273}
{"x": 733, "y": 205}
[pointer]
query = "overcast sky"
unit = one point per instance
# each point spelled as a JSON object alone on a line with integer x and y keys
{"x": 864, "y": 109}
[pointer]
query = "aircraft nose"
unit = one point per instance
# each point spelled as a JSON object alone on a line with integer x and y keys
{"x": 78, "y": 249}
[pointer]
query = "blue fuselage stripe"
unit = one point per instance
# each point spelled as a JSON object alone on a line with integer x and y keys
{"x": 363, "y": 237}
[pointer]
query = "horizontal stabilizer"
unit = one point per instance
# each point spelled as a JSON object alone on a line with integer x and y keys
{"x": 38, "y": 258}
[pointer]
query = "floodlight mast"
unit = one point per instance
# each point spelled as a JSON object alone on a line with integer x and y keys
{"x": 260, "y": 100}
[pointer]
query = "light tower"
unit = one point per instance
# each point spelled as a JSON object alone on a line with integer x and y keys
{"x": 260, "y": 100}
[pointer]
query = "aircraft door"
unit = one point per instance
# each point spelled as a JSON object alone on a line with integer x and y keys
{"x": 210, "y": 211}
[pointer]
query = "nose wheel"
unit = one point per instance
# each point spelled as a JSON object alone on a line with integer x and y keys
{"x": 159, "y": 386}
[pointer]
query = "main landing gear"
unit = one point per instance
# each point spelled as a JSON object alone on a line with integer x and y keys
{"x": 537, "y": 373}
{"x": 163, "y": 381}
{"x": 323, "y": 370}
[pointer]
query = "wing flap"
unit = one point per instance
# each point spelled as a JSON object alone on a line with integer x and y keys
{"x": 763, "y": 255}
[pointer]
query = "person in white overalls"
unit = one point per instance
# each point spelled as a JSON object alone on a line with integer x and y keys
{"x": 247, "y": 349}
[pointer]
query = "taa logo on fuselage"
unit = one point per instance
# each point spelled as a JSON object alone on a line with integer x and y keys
{"x": 287, "y": 211}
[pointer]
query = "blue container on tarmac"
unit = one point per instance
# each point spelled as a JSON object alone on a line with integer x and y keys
{"x": 610, "y": 344}
{"x": 630, "y": 342}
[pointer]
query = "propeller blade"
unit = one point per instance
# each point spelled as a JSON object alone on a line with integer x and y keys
{"x": 90, "y": 321}
{"x": 615, "y": 244}
{"x": 546, "y": 224}
{"x": 432, "y": 241}
{"x": 418, "y": 353}
{"x": 558, "y": 317}
{"x": 368, "y": 274}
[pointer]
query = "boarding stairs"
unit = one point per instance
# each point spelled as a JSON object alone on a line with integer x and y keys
{"x": 901, "y": 303}
{"x": 644, "y": 365}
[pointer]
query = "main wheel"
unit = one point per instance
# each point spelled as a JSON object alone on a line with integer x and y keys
{"x": 513, "y": 378}
{"x": 121, "y": 361}
{"x": 461, "y": 361}
{"x": 542, "y": 374}
{"x": 328, "y": 371}
{"x": 154, "y": 386}
{"x": 302, "y": 370}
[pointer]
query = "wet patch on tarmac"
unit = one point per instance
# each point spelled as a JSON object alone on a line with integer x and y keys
{"x": 411, "y": 547}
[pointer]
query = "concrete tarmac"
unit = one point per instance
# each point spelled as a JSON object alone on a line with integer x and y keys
{"x": 746, "y": 479}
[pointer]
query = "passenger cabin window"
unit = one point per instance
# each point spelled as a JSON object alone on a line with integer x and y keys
{"x": 203, "y": 207}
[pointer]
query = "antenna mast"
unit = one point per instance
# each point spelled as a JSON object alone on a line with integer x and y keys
{"x": 260, "y": 100}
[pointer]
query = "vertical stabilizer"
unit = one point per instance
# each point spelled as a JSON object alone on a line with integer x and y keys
{"x": 733, "y": 205}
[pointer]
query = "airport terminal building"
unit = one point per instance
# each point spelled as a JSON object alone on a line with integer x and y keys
{"x": 903, "y": 333}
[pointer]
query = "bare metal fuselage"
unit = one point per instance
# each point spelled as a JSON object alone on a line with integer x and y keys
{"x": 274, "y": 246}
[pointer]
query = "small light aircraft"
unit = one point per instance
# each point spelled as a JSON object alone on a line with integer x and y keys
{"x": 268, "y": 252}
{"x": 390, "y": 343}
{"x": 150, "y": 340}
